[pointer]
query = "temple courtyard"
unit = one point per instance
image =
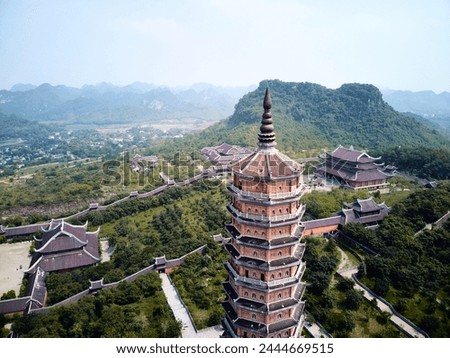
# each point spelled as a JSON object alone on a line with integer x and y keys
{"x": 14, "y": 258}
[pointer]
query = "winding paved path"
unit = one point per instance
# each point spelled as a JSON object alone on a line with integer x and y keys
{"x": 348, "y": 273}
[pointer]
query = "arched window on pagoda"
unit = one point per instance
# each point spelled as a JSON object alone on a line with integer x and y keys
{"x": 255, "y": 254}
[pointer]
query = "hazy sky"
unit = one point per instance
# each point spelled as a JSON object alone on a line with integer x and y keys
{"x": 399, "y": 44}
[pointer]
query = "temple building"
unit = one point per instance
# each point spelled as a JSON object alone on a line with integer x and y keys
{"x": 140, "y": 164}
{"x": 354, "y": 169}
{"x": 225, "y": 153}
{"x": 365, "y": 212}
{"x": 64, "y": 247}
{"x": 264, "y": 288}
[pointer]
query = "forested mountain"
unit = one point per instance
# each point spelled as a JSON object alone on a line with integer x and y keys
{"x": 108, "y": 104}
{"x": 432, "y": 106}
{"x": 308, "y": 115}
{"x": 14, "y": 127}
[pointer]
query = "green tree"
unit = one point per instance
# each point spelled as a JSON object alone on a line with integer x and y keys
{"x": 8, "y": 295}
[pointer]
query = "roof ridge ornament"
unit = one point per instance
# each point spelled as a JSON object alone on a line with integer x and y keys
{"x": 266, "y": 134}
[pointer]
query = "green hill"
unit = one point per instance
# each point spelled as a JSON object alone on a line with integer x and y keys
{"x": 15, "y": 127}
{"x": 308, "y": 115}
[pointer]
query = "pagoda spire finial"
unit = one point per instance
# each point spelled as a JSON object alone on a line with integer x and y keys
{"x": 266, "y": 134}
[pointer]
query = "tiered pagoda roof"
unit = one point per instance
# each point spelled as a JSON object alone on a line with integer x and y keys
{"x": 264, "y": 288}
{"x": 267, "y": 162}
{"x": 270, "y": 164}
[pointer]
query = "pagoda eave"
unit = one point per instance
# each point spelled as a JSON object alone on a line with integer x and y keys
{"x": 263, "y": 286}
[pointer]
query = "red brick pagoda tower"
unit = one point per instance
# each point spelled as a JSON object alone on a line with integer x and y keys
{"x": 264, "y": 288}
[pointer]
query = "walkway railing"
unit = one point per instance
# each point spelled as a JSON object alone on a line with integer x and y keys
{"x": 394, "y": 311}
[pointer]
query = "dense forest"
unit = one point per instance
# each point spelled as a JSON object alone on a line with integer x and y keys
{"x": 199, "y": 281}
{"x": 412, "y": 268}
{"x": 430, "y": 163}
{"x": 332, "y": 300}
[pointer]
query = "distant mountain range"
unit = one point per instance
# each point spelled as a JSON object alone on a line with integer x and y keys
{"x": 308, "y": 115}
{"x": 427, "y": 104}
{"x": 105, "y": 104}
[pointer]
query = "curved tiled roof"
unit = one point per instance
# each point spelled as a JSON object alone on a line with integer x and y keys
{"x": 64, "y": 246}
{"x": 352, "y": 155}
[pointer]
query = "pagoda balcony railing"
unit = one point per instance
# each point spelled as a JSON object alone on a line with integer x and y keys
{"x": 264, "y": 218}
{"x": 258, "y": 195}
{"x": 265, "y": 284}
